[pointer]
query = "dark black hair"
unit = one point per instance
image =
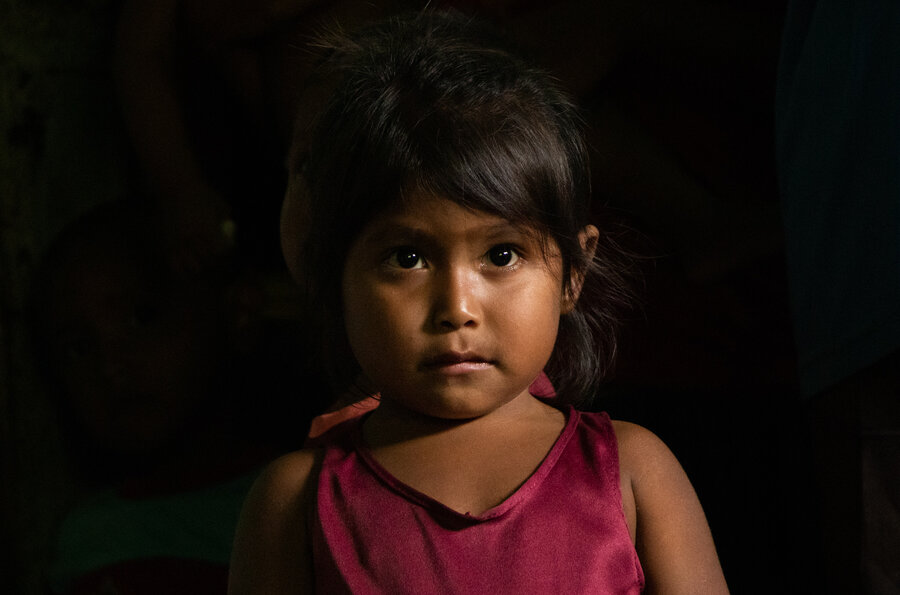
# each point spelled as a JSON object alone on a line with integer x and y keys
{"x": 434, "y": 103}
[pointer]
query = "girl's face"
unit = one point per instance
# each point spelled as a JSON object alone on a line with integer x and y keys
{"x": 450, "y": 312}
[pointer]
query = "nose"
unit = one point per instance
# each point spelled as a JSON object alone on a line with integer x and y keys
{"x": 455, "y": 302}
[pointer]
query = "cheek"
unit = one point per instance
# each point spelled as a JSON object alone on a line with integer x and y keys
{"x": 378, "y": 324}
{"x": 362, "y": 320}
{"x": 531, "y": 321}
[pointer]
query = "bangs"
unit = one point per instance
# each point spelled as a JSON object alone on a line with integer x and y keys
{"x": 499, "y": 163}
{"x": 442, "y": 109}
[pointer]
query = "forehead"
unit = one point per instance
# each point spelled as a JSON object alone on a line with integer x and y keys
{"x": 431, "y": 216}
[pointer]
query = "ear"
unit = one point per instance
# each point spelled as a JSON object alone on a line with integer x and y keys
{"x": 588, "y": 238}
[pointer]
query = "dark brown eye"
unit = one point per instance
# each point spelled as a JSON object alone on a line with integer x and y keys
{"x": 406, "y": 258}
{"x": 502, "y": 256}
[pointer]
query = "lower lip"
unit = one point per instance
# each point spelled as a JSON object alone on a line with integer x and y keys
{"x": 461, "y": 368}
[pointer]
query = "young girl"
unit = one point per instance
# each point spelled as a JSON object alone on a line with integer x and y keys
{"x": 452, "y": 261}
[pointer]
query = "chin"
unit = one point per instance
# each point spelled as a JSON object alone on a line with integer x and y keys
{"x": 460, "y": 408}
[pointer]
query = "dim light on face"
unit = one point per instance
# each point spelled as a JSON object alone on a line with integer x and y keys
{"x": 450, "y": 312}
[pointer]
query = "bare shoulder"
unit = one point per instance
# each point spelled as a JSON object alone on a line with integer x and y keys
{"x": 281, "y": 487}
{"x": 271, "y": 548}
{"x": 641, "y": 452}
{"x": 287, "y": 474}
{"x": 672, "y": 536}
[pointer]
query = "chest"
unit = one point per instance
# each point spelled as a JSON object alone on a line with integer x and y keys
{"x": 470, "y": 478}
{"x": 561, "y": 530}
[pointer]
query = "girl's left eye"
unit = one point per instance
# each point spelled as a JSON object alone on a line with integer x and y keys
{"x": 503, "y": 256}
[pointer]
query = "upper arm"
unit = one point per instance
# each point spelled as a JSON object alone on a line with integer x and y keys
{"x": 673, "y": 539}
{"x": 272, "y": 553}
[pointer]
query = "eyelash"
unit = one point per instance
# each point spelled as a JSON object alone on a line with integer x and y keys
{"x": 515, "y": 252}
{"x": 393, "y": 258}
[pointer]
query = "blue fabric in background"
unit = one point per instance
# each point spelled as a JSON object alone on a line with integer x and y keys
{"x": 838, "y": 151}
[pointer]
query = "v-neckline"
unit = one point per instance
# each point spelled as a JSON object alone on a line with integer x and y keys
{"x": 523, "y": 492}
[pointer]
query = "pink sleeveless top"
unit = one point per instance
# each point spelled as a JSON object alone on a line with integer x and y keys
{"x": 562, "y": 531}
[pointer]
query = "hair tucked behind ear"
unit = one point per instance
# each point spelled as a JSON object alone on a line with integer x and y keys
{"x": 587, "y": 344}
{"x": 434, "y": 102}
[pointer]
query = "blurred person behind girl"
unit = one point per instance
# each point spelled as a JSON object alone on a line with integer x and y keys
{"x": 154, "y": 375}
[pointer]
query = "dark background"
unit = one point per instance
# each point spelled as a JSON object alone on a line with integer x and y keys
{"x": 683, "y": 131}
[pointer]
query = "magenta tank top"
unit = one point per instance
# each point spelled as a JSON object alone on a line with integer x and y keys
{"x": 562, "y": 531}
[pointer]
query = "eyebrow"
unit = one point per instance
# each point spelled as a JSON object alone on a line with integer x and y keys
{"x": 392, "y": 230}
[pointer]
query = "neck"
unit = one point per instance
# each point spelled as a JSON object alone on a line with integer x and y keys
{"x": 468, "y": 465}
{"x": 392, "y": 423}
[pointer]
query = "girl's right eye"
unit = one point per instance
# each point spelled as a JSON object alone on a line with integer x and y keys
{"x": 406, "y": 258}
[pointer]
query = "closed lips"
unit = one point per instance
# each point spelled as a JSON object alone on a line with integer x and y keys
{"x": 452, "y": 358}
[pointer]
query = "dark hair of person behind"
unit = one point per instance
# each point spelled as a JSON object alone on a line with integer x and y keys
{"x": 434, "y": 103}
